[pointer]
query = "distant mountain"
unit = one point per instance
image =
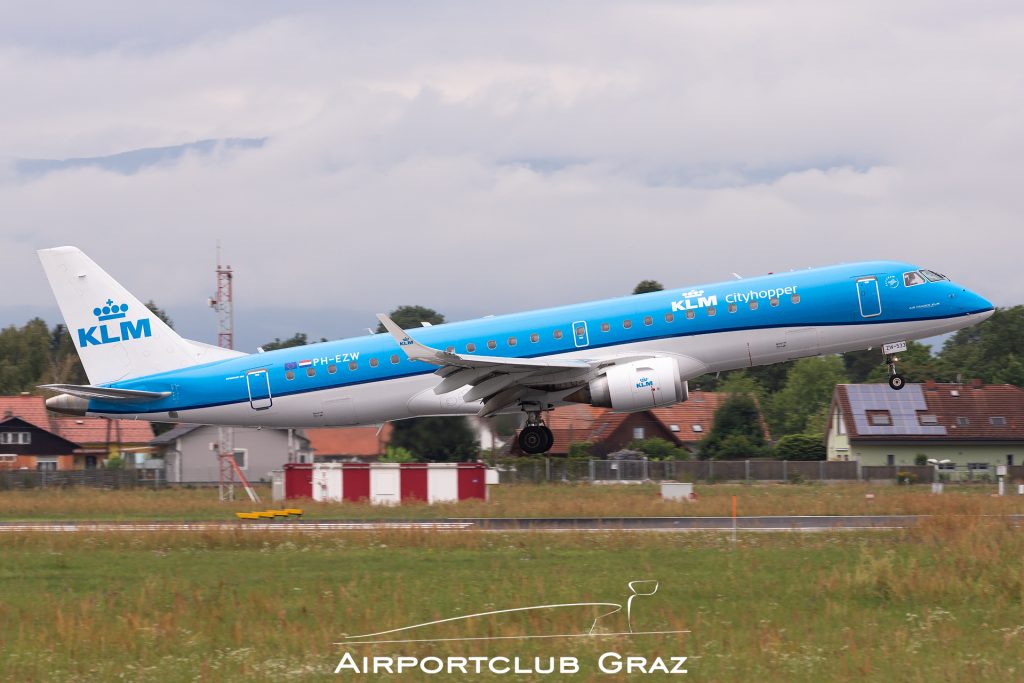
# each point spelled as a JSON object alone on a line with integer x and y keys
{"x": 133, "y": 161}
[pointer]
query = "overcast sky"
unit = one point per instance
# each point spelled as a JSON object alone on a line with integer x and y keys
{"x": 491, "y": 157}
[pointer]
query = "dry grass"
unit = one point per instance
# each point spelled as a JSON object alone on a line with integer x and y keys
{"x": 528, "y": 500}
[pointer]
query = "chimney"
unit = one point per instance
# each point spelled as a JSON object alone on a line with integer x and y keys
{"x": 929, "y": 384}
{"x": 976, "y": 383}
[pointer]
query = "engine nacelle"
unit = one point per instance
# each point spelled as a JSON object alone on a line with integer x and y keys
{"x": 639, "y": 385}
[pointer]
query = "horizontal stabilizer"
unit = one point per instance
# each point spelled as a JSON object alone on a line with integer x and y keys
{"x": 90, "y": 392}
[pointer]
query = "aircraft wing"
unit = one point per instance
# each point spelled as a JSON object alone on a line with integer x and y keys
{"x": 496, "y": 380}
{"x": 87, "y": 391}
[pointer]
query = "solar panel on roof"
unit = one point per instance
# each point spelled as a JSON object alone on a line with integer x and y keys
{"x": 903, "y": 406}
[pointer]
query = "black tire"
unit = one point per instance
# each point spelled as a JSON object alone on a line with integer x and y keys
{"x": 533, "y": 440}
{"x": 896, "y": 382}
{"x": 549, "y": 439}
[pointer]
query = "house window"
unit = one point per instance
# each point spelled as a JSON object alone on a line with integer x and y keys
{"x": 997, "y": 421}
{"x": 241, "y": 456}
{"x": 16, "y": 437}
{"x": 962, "y": 421}
{"x": 638, "y": 432}
{"x": 880, "y": 418}
{"x": 928, "y": 419}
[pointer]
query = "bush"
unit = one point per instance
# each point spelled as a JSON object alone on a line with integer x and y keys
{"x": 800, "y": 447}
{"x": 658, "y": 449}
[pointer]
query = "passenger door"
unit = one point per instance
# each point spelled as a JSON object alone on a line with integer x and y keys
{"x": 868, "y": 297}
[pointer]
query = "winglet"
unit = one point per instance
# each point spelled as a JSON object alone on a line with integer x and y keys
{"x": 412, "y": 348}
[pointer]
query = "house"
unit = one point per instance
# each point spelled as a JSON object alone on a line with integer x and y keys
{"x": 190, "y": 452}
{"x": 683, "y": 424}
{"x": 974, "y": 426}
{"x": 349, "y": 444}
{"x": 32, "y": 438}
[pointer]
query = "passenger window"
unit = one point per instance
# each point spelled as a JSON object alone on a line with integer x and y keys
{"x": 689, "y": 315}
{"x": 558, "y": 334}
{"x": 512, "y": 341}
{"x": 669, "y": 317}
{"x": 753, "y": 304}
{"x": 711, "y": 310}
{"x": 353, "y": 365}
{"x": 627, "y": 324}
{"x": 534, "y": 338}
{"x": 374, "y": 362}
{"x": 912, "y": 278}
{"x": 774, "y": 301}
{"x": 605, "y": 327}
{"x": 289, "y": 375}
{"x": 311, "y": 372}
{"x": 470, "y": 348}
{"x": 332, "y": 368}
{"x": 648, "y": 320}
{"x": 394, "y": 356}
{"x": 491, "y": 344}
{"x": 795, "y": 298}
{"x": 732, "y": 308}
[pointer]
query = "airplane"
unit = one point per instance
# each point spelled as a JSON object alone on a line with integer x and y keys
{"x": 627, "y": 354}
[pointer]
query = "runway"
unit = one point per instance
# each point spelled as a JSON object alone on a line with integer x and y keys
{"x": 778, "y": 523}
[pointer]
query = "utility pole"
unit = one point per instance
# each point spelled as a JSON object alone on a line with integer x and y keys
{"x": 223, "y": 306}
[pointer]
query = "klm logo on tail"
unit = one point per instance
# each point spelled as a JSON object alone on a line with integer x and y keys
{"x": 108, "y": 332}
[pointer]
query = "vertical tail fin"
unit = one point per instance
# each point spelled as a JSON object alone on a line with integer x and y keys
{"x": 117, "y": 337}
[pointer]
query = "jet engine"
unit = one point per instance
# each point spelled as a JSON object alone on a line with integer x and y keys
{"x": 635, "y": 386}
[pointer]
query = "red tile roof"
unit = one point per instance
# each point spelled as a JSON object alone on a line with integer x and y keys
{"x": 582, "y": 422}
{"x": 349, "y": 441}
{"x": 79, "y": 430}
{"x": 961, "y": 411}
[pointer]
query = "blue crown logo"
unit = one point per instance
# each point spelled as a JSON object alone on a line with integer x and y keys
{"x": 110, "y": 311}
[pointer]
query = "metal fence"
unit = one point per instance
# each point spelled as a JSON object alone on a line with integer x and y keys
{"x": 105, "y": 479}
{"x": 538, "y": 470}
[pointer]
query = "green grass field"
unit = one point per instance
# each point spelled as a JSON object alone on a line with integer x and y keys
{"x": 941, "y": 602}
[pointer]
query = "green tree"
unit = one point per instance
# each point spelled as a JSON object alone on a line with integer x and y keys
{"x": 735, "y": 431}
{"x": 800, "y": 447}
{"x": 646, "y": 286}
{"x": 413, "y": 316}
{"x": 658, "y": 449}
{"x": 809, "y": 387}
{"x": 160, "y": 313}
{"x": 992, "y": 351}
{"x": 297, "y": 339}
{"x": 436, "y": 439}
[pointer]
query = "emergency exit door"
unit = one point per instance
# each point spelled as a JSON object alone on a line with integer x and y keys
{"x": 867, "y": 294}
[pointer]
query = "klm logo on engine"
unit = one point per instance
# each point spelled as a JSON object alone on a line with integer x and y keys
{"x": 694, "y": 299}
{"x": 109, "y": 332}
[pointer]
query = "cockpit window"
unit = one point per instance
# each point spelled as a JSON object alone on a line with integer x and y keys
{"x": 912, "y": 278}
{"x": 933, "y": 276}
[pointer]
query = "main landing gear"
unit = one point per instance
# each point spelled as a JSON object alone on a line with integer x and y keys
{"x": 895, "y": 379}
{"x": 535, "y": 437}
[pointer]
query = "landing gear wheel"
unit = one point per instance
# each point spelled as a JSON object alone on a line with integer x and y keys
{"x": 896, "y": 382}
{"x": 535, "y": 439}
